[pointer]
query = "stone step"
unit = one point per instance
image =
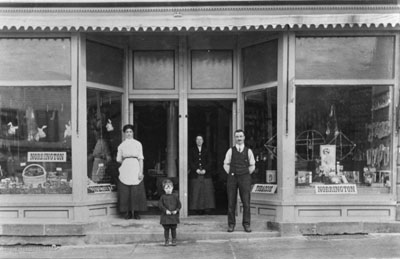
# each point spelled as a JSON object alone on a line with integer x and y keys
{"x": 192, "y": 223}
{"x": 121, "y": 231}
{"x": 101, "y": 238}
{"x": 148, "y": 229}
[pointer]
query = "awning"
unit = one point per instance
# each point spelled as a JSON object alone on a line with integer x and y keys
{"x": 212, "y": 18}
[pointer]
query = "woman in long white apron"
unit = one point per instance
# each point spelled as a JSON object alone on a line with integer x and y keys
{"x": 131, "y": 191}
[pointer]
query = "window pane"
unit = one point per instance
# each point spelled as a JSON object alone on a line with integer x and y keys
{"x": 105, "y": 64}
{"x": 260, "y": 63}
{"x": 35, "y": 137}
{"x": 343, "y": 135}
{"x": 104, "y": 136}
{"x": 212, "y": 69}
{"x": 344, "y": 58}
{"x": 260, "y": 126}
{"x": 153, "y": 70}
{"x": 35, "y": 59}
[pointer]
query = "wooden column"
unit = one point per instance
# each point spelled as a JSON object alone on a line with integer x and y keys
{"x": 172, "y": 140}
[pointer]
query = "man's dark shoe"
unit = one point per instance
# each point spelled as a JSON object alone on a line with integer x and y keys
{"x": 247, "y": 229}
{"x": 136, "y": 215}
{"x": 231, "y": 228}
{"x": 128, "y": 215}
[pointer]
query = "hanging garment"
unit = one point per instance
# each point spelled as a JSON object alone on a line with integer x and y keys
{"x": 52, "y": 126}
{"x": 31, "y": 123}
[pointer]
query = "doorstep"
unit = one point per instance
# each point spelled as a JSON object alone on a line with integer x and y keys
{"x": 121, "y": 231}
{"x": 335, "y": 228}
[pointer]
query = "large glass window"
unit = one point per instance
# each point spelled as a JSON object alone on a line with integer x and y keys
{"x": 344, "y": 57}
{"x": 35, "y": 137}
{"x": 212, "y": 69}
{"x": 343, "y": 132}
{"x": 343, "y": 136}
{"x": 105, "y": 64}
{"x": 154, "y": 69}
{"x": 103, "y": 137}
{"x": 260, "y": 63}
{"x": 35, "y": 59}
{"x": 260, "y": 122}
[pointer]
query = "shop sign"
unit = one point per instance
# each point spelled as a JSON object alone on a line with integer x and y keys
{"x": 99, "y": 188}
{"x": 264, "y": 188}
{"x": 336, "y": 189}
{"x": 47, "y": 156}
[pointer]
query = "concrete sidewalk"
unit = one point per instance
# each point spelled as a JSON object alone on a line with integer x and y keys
{"x": 335, "y": 246}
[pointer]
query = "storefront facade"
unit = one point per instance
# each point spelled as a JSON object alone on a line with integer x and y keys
{"x": 314, "y": 86}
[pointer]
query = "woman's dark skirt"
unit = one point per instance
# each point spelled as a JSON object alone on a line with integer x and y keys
{"x": 201, "y": 194}
{"x": 131, "y": 197}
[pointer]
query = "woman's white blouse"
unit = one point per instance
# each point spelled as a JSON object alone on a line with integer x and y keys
{"x": 129, "y": 153}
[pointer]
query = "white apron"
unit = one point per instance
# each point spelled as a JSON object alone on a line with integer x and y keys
{"x": 129, "y": 171}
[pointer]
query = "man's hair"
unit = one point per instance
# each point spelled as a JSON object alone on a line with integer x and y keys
{"x": 167, "y": 182}
{"x": 238, "y": 131}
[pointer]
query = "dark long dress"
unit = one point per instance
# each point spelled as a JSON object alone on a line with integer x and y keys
{"x": 132, "y": 197}
{"x": 201, "y": 189}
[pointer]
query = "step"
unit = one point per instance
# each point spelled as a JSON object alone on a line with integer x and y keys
{"x": 101, "y": 238}
{"x": 121, "y": 231}
{"x": 192, "y": 223}
{"x": 148, "y": 229}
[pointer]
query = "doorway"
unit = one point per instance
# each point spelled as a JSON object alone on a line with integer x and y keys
{"x": 156, "y": 127}
{"x": 212, "y": 119}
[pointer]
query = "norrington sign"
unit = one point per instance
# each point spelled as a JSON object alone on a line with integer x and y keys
{"x": 47, "y": 156}
{"x": 336, "y": 189}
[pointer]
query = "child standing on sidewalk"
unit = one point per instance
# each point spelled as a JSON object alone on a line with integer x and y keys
{"x": 169, "y": 205}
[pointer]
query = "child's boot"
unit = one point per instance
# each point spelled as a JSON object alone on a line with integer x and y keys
{"x": 173, "y": 242}
{"x": 166, "y": 242}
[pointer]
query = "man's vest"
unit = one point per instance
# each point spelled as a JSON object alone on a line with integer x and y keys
{"x": 239, "y": 161}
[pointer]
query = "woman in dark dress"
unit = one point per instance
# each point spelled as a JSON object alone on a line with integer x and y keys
{"x": 201, "y": 191}
{"x": 131, "y": 191}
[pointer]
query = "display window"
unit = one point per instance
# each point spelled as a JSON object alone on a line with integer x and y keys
{"x": 343, "y": 131}
{"x": 260, "y": 129}
{"x": 35, "y": 137}
{"x": 103, "y": 137}
{"x": 343, "y": 136}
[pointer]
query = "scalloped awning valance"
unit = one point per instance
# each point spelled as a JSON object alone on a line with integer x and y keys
{"x": 192, "y": 18}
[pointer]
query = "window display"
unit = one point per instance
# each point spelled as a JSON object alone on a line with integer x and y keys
{"x": 343, "y": 136}
{"x": 260, "y": 117}
{"x": 35, "y": 138}
{"x": 104, "y": 136}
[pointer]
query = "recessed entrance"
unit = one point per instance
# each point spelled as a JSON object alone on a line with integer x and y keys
{"x": 213, "y": 120}
{"x": 156, "y": 127}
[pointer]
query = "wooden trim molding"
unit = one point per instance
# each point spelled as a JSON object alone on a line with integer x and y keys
{"x": 197, "y": 18}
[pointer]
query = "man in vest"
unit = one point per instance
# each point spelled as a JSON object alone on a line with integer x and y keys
{"x": 239, "y": 164}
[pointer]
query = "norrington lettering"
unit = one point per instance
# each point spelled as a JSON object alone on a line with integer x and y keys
{"x": 336, "y": 189}
{"x": 47, "y": 156}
